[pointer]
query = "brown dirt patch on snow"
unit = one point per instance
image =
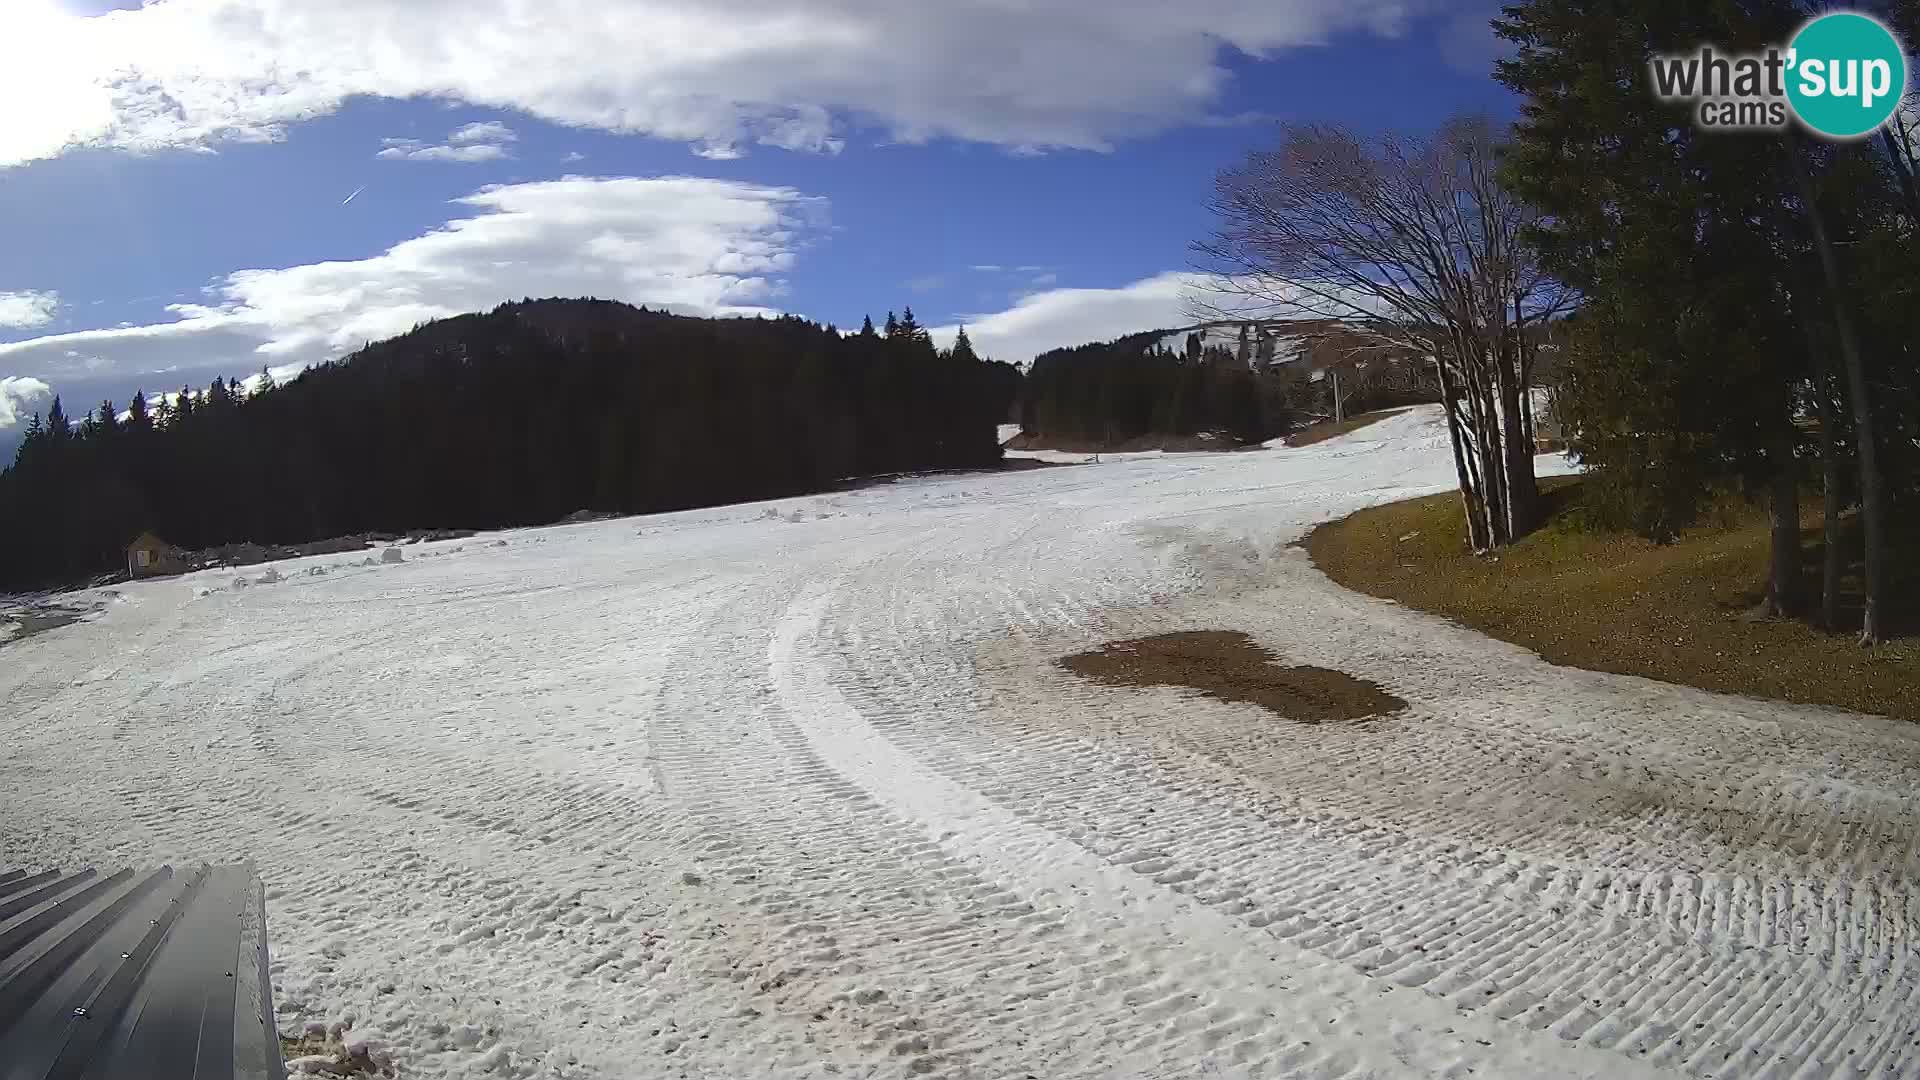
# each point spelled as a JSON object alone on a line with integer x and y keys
{"x": 1230, "y": 666}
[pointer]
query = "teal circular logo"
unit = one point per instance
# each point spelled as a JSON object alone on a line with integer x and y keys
{"x": 1845, "y": 74}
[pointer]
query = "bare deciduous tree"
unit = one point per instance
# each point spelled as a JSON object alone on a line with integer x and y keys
{"x": 1414, "y": 243}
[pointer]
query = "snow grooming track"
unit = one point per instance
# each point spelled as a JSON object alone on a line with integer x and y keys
{"x": 1244, "y": 999}
{"x": 798, "y": 790}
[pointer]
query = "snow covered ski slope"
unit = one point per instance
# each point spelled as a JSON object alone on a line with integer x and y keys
{"x": 798, "y": 790}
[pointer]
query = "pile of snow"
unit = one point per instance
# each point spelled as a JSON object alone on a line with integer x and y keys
{"x": 337, "y": 1049}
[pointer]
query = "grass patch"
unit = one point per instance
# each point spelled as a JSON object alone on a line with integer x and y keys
{"x": 1229, "y": 665}
{"x": 1327, "y": 429}
{"x": 1609, "y": 601}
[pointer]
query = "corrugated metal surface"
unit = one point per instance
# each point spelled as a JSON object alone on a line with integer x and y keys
{"x": 148, "y": 974}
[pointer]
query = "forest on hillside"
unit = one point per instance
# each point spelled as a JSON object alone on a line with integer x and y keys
{"x": 517, "y": 416}
{"x": 1108, "y": 394}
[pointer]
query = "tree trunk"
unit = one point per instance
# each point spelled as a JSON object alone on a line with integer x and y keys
{"x": 1469, "y": 502}
{"x": 1832, "y": 559}
{"x": 1785, "y": 592}
{"x": 1493, "y": 471}
{"x": 1523, "y": 494}
{"x": 1529, "y": 423}
{"x": 1872, "y": 490}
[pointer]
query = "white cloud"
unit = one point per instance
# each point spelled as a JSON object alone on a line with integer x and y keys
{"x": 411, "y": 150}
{"x": 1062, "y": 317}
{"x": 490, "y": 131}
{"x": 21, "y": 397}
{"x": 691, "y": 244}
{"x": 718, "y": 73}
{"x": 473, "y": 143}
{"x": 1058, "y": 318}
{"x": 26, "y": 310}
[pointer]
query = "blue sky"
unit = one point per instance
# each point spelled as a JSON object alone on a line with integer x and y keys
{"x": 175, "y": 179}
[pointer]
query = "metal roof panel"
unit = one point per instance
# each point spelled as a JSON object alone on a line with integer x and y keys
{"x": 158, "y": 973}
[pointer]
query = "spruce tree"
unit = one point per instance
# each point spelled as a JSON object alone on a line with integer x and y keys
{"x": 30, "y": 441}
{"x": 58, "y": 428}
{"x": 137, "y": 417}
{"x": 963, "y": 348}
{"x": 1688, "y": 367}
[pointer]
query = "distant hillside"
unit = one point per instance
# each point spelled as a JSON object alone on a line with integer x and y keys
{"x": 1213, "y": 384}
{"x": 512, "y": 417}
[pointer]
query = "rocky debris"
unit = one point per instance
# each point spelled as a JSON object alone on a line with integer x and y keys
{"x": 247, "y": 553}
{"x": 421, "y": 536}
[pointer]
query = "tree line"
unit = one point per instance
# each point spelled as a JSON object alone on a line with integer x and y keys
{"x": 516, "y": 416}
{"x": 1108, "y": 393}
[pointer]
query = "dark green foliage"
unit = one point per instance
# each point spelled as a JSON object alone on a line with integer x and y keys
{"x": 514, "y": 417}
{"x": 59, "y": 428}
{"x": 963, "y": 347}
{"x": 1750, "y": 297}
{"x": 1680, "y": 375}
{"x": 1108, "y": 393}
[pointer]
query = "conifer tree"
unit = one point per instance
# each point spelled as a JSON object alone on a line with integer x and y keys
{"x": 58, "y": 428}
{"x": 963, "y": 348}
{"x": 909, "y": 328}
{"x": 31, "y": 440}
{"x": 1717, "y": 309}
